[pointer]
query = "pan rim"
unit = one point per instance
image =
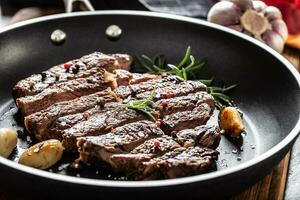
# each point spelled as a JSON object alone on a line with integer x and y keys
{"x": 169, "y": 182}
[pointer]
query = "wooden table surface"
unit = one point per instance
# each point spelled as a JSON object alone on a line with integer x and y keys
{"x": 274, "y": 185}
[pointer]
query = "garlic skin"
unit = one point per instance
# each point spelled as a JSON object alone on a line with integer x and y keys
{"x": 280, "y": 27}
{"x": 253, "y": 18}
{"x": 273, "y": 40}
{"x": 243, "y": 4}
{"x": 229, "y": 11}
{"x": 272, "y": 13}
{"x": 259, "y": 6}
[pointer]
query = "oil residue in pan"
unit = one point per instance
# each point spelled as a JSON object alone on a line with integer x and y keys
{"x": 232, "y": 152}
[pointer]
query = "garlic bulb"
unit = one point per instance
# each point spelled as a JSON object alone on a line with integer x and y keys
{"x": 254, "y": 18}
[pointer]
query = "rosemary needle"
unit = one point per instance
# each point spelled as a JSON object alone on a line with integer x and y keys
{"x": 144, "y": 106}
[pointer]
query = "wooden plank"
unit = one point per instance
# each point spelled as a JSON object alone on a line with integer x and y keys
{"x": 272, "y": 187}
{"x": 292, "y": 189}
{"x": 293, "y": 55}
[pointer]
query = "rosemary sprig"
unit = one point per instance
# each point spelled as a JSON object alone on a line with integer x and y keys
{"x": 186, "y": 57}
{"x": 154, "y": 66}
{"x": 185, "y": 70}
{"x": 188, "y": 67}
{"x": 207, "y": 82}
{"x": 144, "y": 106}
{"x": 221, "y": 99}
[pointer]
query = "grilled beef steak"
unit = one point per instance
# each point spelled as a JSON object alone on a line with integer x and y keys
{"x": 120, "y": 140}
{"x": 178, "y": 163}
{"x": 79, "y": 68}
{"x": 205, "y": 136}
{"x": 141, "y": 161}
{"x": 84, "y": 103}
{"x": 63, "y": 92}
{"x": 38, "y": 123}
{"x": 101, "y": 123}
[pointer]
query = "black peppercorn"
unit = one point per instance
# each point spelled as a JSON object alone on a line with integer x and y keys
{"x": 89, "y": 80}
{"x": 44, "y": 76}
{"x": 75, "y": 69}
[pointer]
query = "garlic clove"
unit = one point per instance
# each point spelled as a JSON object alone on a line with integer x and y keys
{"x": 224, "y": 13}
{"x": 254, "y": 22}
{"x": 280, "y": 27}
{"x": 243, "y": 4}
{"x": 272, "y": 13}
{"x": 274, "y": 40}
{"x": 259, "y": 6}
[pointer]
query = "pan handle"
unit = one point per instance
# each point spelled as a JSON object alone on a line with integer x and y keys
{"x": 69, "y": 5}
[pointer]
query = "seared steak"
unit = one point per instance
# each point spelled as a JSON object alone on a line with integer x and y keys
{"x": 187, "y": 119}
{"x": 125, "y": 78}
{"x": 155, "y": 147}
{"x": 160, "y": 157}
{"x": 205, "y": 136}
{"x": 119, "y": 140}
{"x": 63, "y": 92}
{"x": 95, "y": 106}
{"x": 39, "y": 123}
{"x": 132, "y": 90}
{"x": 79, "y": 68}
{"x": 58, "y": 126}
{"x": 178, "y": 163}
{"x": 182, "y": 103}
{"x": 174, "y": 90}
{"x": 101, "y": 123}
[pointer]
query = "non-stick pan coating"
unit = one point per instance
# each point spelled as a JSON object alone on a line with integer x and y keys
{"x": 267, "y": 93}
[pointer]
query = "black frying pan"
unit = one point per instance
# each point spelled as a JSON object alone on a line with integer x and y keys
{"x": 267, "y": 93}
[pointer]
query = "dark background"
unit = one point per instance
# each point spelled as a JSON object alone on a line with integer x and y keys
{"x": 9, "y": 7}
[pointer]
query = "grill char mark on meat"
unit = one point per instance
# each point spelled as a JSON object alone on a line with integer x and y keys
{"x": 174, "y": 90}
{"x": 205, "y": 136}
{"x": 145, "y": 160}
{"x": 122, "y": 139}
{"x": 63, "y": 92}
{"x": 178, "y": 163}
{"x": 187, "y": 119}
{"x": 80, "y": 68}
{"x": 149, "y": 149}
{"x": 181, "y": 103}
{"x": 132, "y": 90}
{"x": 39, "y": 123}
{"x": 101, "y": 123}
{"x": 58, "y": 127}
{"x": 184, "y": 103}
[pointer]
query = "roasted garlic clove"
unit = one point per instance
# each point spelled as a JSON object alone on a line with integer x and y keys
{"x": 230, "y": 120}
{"x": 42, "y": 155}
{"x": 8, "y": 141}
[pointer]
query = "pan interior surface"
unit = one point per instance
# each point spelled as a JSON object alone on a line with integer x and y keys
{"x": 267, "y": 92}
